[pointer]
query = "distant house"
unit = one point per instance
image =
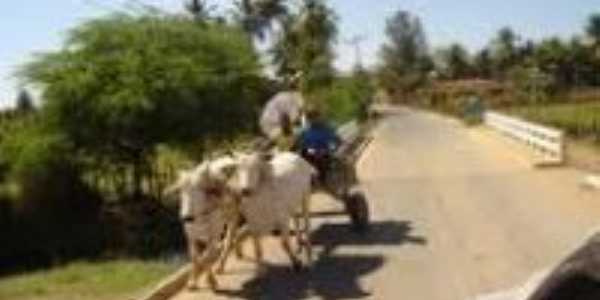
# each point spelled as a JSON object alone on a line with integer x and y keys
{"x": 469, "y": 86}
{"x": 445, "y": 92}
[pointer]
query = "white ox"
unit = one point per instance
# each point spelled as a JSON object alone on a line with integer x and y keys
{"x": 272, "y": 193}
{"x": 205, "y": 208}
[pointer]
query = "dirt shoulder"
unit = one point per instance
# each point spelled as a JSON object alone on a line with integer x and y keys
{"x": 583, "y": 155}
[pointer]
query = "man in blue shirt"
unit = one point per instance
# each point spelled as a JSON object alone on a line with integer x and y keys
{"x": 317, "y": 142}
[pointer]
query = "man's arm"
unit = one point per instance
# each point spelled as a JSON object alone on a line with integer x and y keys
{"x": 334, "y": 138}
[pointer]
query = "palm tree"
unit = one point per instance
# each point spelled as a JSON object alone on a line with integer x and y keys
{"x": 257, "y": 16}
{"x": 199, "y": 9}
{"x": 316, "y": 32}
{"x": 306, "y": 44}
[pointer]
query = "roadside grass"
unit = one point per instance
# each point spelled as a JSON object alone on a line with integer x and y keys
{"x": 580, "y": 120}
{"x": 122, "y": 279}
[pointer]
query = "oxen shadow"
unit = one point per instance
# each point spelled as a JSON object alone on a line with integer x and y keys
{"x": 332, "y": 276}
{"x": 388, "y": 233}
{"x": 329, "y": 278}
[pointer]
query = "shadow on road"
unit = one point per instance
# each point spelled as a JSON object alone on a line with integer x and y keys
{"x": 388, "y": 233}
{"x": 332, "y": 276}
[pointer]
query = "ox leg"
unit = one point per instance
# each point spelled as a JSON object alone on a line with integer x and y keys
{"x": 297, "y": 231}
{"x": 235, "y": 244}
{"x": 239, "y": 250}
{"x": 285, "y": 243}
{"x": 209, "y": 257}
{"x": 257, "y": 248}
{"x": 228, "y": 244}
{"x": 306, "y": 230}
{"x": 192, "y": 280}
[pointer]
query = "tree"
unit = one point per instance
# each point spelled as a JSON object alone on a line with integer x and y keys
{"x": 593, "y": 32}
{"x": 306, "y": 45}
{"x": 124, "y": 84}
{"x": 405, "y": 58}
{"x": 552, "y": 56}
{"x": 455, "y": 60}
{"x": 582, "y": 63}
{"x": 531, "y": 84}
{"x": 257, "y": 16}
{"x": 199, "y": 9}
{"x": 504, "y": 50}
{"x": 526, "y": 52}
{"x": 593, "y": 28}
{"x": 24, "y": 102}
{"x": 482, "y": 64}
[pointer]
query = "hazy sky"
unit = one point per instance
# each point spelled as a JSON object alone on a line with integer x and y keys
{"x": 30, "y": 26}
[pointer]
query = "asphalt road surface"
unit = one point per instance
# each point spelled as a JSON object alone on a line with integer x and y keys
{"x": 456, "y": 213}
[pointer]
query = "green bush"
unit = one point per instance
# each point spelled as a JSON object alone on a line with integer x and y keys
{"x": 124, "y": 84}
{"x": 531, "y": 85}
{"x": 346, "y": 99}
{"x": 53, "y": 216}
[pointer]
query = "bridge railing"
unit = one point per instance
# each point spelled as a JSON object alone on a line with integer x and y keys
{"x": 546, "y": 141}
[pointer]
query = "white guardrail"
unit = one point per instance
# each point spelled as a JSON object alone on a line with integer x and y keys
{"x": 548, "y": 142}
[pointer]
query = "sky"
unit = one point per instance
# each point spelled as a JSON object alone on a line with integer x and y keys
{"x": 33, "y": 26}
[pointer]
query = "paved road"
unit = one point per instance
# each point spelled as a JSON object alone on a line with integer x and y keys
{"x": 456, "y": 213}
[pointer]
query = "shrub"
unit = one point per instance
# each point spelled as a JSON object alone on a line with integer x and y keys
{"x": 124, "y": 84}
{"x": 344, "y": 100}
{"x": 53, "y": 216}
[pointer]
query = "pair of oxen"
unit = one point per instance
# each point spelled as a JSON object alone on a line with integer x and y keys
{"x": 226, "y": 200}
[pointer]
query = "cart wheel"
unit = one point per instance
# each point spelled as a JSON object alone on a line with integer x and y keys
{"x": 358, "y": 210}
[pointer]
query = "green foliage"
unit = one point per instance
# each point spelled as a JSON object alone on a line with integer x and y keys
{"x": 346, "y": 99}
{"x": 121, "y": 86}
{"x": 257, "y": 16}
{"x": 33, "y": 152}
{"x": 306, "y": 45}
{"x": 483, "y": 64}
{"x": 504, "y": 50}
{"x": 455, "y": 62}
{"x": 405, "y": 58}
{"x": 50, "y": 197}
{"x": 532, "y": 85}
{"x": 124, "y": 84}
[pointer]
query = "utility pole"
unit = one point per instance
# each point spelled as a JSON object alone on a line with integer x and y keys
{"x": 356, "y": 42}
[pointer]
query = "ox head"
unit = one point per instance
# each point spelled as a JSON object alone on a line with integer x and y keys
{"x": 188, "y": 187}
{"x": 251, "y": 170}
{"x": 203, "y": 186}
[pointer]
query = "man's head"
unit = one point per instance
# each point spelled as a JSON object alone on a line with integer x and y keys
{"x": 313, "y": 115}
{"x": 292, "y": 82}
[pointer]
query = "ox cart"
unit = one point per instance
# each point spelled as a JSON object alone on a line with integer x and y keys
{"x": 340, "y": 179}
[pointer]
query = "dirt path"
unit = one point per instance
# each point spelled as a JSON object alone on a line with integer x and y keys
{"x": 455, "y": 214}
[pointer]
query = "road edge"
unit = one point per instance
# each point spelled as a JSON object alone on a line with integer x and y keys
{"x": 169, "y": 286}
